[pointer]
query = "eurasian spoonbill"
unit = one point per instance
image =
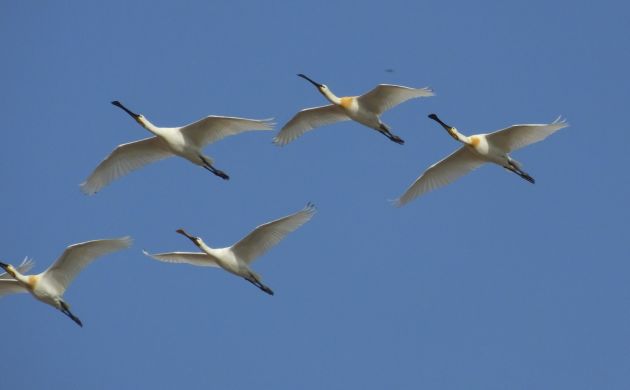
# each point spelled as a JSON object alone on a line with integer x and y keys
{"x": 237, "y": 258}
{"x": 365, "y": 109}
{"x": 186, "y": 142}
{"x": 477, "y": 150}
{"x": 50, "y": 285}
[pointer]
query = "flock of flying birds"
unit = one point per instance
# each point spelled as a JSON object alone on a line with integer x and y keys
{"x": 188, "y": 142}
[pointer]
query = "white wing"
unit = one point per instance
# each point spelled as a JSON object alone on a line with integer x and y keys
{"x": 308, "y": 119}
{"x": 442, "y": 173}
{"x": 124, "y": 159}
{"x": 214, "y": 128}
{"x": 518, "y": 136}
{"x": 75, "y": 257}
{"x": 8, "y": 286}
{"x": 385, "y": 96}
{"x": 269, "y": 234}
{"x": 195, "y": 258}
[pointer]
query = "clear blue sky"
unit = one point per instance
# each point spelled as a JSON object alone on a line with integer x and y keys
{"x": 489, "y": 283}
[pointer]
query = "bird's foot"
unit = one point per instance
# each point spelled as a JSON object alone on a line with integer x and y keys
{"x": 266, "y": 289}
{"x": 221, "y": 174}
{"x": 528, "y": 178}
{"x": 396, "y": 139}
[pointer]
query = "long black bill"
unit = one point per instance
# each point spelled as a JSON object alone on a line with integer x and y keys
{"x": 438, "y": 120}
{"x": 183, "y": 232}
{"x": 4, "y": 266}
{"x": 318, "y": 85}
{"x": 128, "y": 111}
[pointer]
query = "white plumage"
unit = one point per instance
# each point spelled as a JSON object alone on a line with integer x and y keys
{"x": 50, "y": 285}
{"x": 365, "y": 109}
{"x": 186, "y": 141}
{"x": 237, "y": 258}
{"x": 477, "y": 150}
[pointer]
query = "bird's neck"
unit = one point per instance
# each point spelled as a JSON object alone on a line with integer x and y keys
{"x": 210, "y": 251}
{"x": 144, "y": 122}
{"x": 331, "y": 96}
{"x": 459, "y": 136}
{"x": 22, "y": 279}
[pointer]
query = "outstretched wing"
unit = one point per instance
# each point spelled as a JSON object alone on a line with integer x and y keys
{"x": 10, "y": 286}
{"x": 195, "y": 258}
{"x": 442, "y": 173}
{"x": 124, "y": 159}
{"x": 75, "y": 257}
{"x": 518, "y": 136}
{"x": 385, "y": 96}
{"x": 269, "y": 234}
{"x": 213, "y": 128}
{"x": 308, "y": 119}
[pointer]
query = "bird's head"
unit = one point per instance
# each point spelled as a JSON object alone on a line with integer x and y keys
{"x": 320, "y": 87}
{"x": 9, "y": 268}
{"x": 137, "y": 117}
{"x": 195, "y": 240}
{"x": 450, "y": 129}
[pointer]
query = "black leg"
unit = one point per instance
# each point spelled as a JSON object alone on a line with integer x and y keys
{"x": 212, "y": 169}
{"x": 66, "y": 310}
{"x": 260, "y": 286}
{"x": 519, "y": 172}
{"x": 385, "y": 131}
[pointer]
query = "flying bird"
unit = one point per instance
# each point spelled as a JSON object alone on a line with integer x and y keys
{"x": 186, "y": 141}
{"x": 365, "y": 109}
{"x": 50, "y": 285}
{"x": 237, "y": 258}
{"x": 477, "y": 150}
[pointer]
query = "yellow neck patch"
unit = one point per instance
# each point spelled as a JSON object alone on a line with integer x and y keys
{"x": 474, "y": 141}
{"x": 32, "y": 281}
{"x": 346, "y": 102}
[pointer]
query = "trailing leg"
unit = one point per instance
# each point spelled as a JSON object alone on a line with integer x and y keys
{"x": 208, "y": 166}
{"x": 383, "y": 129}
{"x": 66, "y": 310}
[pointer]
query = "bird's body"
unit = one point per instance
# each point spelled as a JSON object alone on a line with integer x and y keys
{"x": 237, "y": 258}
{"x": 50, "y": 285}
{"x": 365, "y": 109}
{"x": 477, "y": 150}
{"x": 186, "y": 141}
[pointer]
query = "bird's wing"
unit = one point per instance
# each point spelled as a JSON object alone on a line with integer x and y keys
{"x": 10, "y": 286}
{"x": 124, "y": 159}
{"x": 269, "y": 234}
{"x": 213, "y": 128}
{"x": 385, "y": 96}
{"x": 61, "y": 273}
{"x": 23, "y": 268}
{"x": 443, "y": 172}
{"x": 518, "y": 136}
{"x": 308, "y": 119}
{"x": 195, "y": 258}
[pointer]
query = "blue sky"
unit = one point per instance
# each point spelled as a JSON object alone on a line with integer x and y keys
{"x": 489, "y": 283}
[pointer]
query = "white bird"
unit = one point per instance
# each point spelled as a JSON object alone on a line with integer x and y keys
{"x": 186, "y": 141}
{"x": 477, "y": 150}
{"x": 50, "y": 285}
{"x": 237, "y": 258}
{"x": 365, "y": 109}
